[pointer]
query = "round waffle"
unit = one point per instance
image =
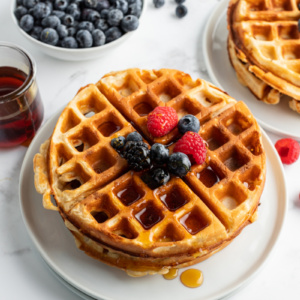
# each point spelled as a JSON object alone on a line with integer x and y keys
{"x": 266, "y": 39}
{"x": 112, "y": 213}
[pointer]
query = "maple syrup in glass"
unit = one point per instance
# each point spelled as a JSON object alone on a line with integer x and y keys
{"x": 21, "y": 108}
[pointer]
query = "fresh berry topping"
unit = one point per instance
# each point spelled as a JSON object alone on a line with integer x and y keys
{"x": 288, "y": 150}
{"x": 137, "y": 155}
{"x": 181, "y": 11}
{"x": 158, "y": 3}
{"x": 192, "y": 145}
{"x": 118, "y": 142}
{"x": 159, "y": 154}
{"x": 188, "y": 123}
{"x": 162, "y": 120}
{"x": 179, "y": 164}
{"x": 134, "y": 137}
{"x": 155, "y": 177}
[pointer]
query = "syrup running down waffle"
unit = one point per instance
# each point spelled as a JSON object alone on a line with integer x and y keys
{"x": 113, "y": 214}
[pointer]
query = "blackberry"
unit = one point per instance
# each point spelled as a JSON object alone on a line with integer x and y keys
{"x": 179, "y": 164}
{"x": 156, "y": 177}
{"x": 188, "y": 123}
{"x": 137, "y": 155}
{"x": 134, "y": 137}
{"x": 159, "y": 154}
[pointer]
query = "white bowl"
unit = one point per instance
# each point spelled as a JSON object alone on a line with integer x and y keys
{"x": 79, "y": 54}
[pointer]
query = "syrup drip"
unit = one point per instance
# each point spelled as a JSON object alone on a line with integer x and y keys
{"x": 172, "y": 274}
{"x": 192, "y": 278}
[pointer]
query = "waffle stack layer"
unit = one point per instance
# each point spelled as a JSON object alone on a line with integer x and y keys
{"x": 114, "y": 216}
{"x": 264, "y": 48}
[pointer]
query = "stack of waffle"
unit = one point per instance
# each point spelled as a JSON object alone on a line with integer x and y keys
{"x": 114, "y": 216}
{"x": 264, "y": 48}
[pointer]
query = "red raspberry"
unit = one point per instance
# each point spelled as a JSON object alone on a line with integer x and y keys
{"x": 288, "y": 150}
{"x": 193, "y": 146}
{"x": 162, "y": 120}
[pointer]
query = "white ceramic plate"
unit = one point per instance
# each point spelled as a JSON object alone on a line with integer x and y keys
{"x": 279, "y": 118}
{"x": 223, "y": 273}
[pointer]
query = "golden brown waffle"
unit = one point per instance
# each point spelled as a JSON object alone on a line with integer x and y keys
{"x": 113, "y": 215}
{"x": 266, "y": 37}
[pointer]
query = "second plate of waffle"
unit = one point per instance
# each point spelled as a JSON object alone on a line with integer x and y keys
{"x": 277, "y": 118}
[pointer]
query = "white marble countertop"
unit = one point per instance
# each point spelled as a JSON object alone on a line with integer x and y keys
{"x": 161, "y": 41}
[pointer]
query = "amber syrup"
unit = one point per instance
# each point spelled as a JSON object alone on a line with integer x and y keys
{"x": 17, "y": 125}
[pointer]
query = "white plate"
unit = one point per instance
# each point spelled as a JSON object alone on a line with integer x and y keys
{"x": 279, "y": 118}
{"x": 223, "y": 273}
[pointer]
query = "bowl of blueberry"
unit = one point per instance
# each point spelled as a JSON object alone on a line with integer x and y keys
{"x": 77, "y": 29}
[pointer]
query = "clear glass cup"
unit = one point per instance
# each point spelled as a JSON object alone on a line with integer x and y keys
{"x": 21, "y": 108}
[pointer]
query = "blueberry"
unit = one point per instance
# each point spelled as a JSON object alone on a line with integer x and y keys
{"x": 131, "y": 1}
{"x": 114, "y": 17}
{"x": 36, "y": 32}
{"x": 20, "y": 11}
{"x": 134, "y": 137}
{"x": 29, "y": 3}
{"x": 129, "y": 23}
{"x": 181, "y": 11}
{"x": 50, "y": 5}
{"x": 113, "y": 33}
{"x": 84, "y": 38}
{"x": 59, "y": 13}
{"x": 19, "y": 2}
{"x": 155, "y": 177}
{"x": 122, "y": 5}
{"x": 158, "y": 3}
{"x": 74, "y": 11}
{"x": 78, "y": 2}
{"x": 27, "y": 22}
{"x": 86, "y": 25}
{"x": 68, "y": 20}
{"x": 104, "y": 13}
{"x": 101, "y": 24}
{"x": 69, "y": 42}
{"x": 135, "y": 8}
{"x": 62, "y": 30}
{"x": 179, "y": 164}
{"x": 89, "y": 14}
{"x": 91, "y": 3}
{"x": 102, "y": 4}
{"x": 49, "y": 36}
{"x": 71, "y": 31}
{"x": 50, "y": 21}
{"x": 179, "y": 1}
{"x": 41, "y": 10}
{"x": 159, "y": 154}
{"x": 61, "y": 4}
{"x": 188, "y": 123}
{"x": 98, "y": 37}
{"x": 118, "y": 143}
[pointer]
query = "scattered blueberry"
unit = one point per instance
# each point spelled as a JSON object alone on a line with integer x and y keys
{"x": 98, "y": 37}
{"x": 113, "y": 33}
{"x": 86, "y": 25}
{"x": 188, "y": 123}
{"x": 61, "y": 4}
{"x": 84, "y": 38}
{"x": 181, "y": 11}
{"x": 179, "y": 164}
{"x": 158, "y": 3}
{"x": 51, "y": 21}
{"x": 20, "y": 11}
{"x": 155, "y": 177}
{"x": 49, "y": 36}
{"x": 129, "y": 23}
{"x": 159, "y": 154}
{"x": 134, "y": 137}
{"x": 62, "y": 30}
{"x": 27, "y": 22}
{"x": 118, "y": 142}
{"x": 69, "y": 42}
{"x": 114, "y": 17}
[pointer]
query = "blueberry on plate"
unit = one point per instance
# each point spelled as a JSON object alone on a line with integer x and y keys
{"x": 98, "y": 37}
{"x": 118, "y": 142}
{"x": 156, "y": 177}
{"x": 181, "y": 11}
{"x": 84, "y": 38}
{"x": 134, "y": 137}
{"x": 158, "y": 3}
{"x": 159, "y": 154}
{"x": 69, "y": 42}
{"x": 113, "y": 33}
{"x": 27, "y": 22}
{"x": 129, "y": 23}
{"x": 49, "y": 36}
{"x": 179, "y": 164}
{"x": 188, "y": 123}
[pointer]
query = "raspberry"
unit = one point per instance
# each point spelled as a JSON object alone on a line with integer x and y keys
{"x": 193, "y": 146}
{"x": 162, "y": 120}
{"x": 288, "y": 150}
